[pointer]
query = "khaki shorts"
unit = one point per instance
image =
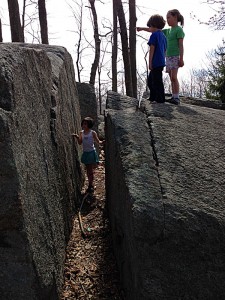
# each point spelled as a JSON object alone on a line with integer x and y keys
{"x": 172, "y": 62}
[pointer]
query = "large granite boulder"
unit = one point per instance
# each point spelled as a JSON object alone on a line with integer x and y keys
{"x": 165, "y": 195}
{"x": 40, "y": 175}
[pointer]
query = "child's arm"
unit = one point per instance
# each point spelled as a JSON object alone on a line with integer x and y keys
{"x": 78, "y": 137}
{"x": 151, "y": 52}
{"x": 95, "y": 136}
{"x": 143, "y": 29}
{"x": 181, "y": 48}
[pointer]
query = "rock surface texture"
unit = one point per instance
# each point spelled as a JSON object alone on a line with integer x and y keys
{"x": 165, "y": 194}
{"x": 40, "y": 175}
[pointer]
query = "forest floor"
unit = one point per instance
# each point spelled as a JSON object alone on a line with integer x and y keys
{"x": 90, "y": 268}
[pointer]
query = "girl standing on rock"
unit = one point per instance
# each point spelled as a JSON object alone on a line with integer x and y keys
{"x": 89, "y": 157}
{"x": 175, "y": 50}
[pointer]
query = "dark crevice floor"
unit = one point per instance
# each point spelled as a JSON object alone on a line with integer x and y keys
{"x": 90, "y": 268}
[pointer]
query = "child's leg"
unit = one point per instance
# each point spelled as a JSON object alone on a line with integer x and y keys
{"x": 151, "y": 87}
{"x": 158, "y": 85}
{"x": 90, "y": 174}
{"x": 175, "y": 87}
{"x": 174, "y": 83}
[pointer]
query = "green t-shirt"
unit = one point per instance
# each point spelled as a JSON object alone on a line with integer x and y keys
{"x": 173, "y": 35}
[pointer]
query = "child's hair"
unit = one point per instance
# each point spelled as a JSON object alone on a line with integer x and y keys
{"x": 156, "y": 21}
{"x": 176, "y": 13}
{"x": 89, "y": 121}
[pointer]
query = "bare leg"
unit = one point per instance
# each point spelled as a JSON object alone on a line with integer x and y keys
{"x": 90, "y": 174}
{"x": 174, "y": 81}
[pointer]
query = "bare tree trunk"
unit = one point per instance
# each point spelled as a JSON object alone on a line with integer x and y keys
{"x": 43, "y": 21}
{"x": 132, "y": 44}
{"x": 114, "y": 48}
{"x": 1, "y": 39}
{"x": 99, "y": 91}
{"x": 79, "y": 42}
{"x": 78, "y": 16}
{"x": 15, "y": 25}
{"x": 97, "y": 43}
{"x": 23, "y": 16}
{"x": 100, "y": 66}
{"x": 125, "y": 49}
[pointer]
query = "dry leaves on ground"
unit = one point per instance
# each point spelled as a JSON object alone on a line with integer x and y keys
{"x": 90, "y": 268}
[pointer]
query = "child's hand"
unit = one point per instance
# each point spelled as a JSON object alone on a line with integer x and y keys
{"x": 181, "y": 63}
{"x": 138, "y": 28}
{"x": 150, "y": 66}
{"x": 75, "y": 135}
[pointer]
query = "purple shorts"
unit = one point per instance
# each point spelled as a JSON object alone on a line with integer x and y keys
{"x": 172, "y": 62}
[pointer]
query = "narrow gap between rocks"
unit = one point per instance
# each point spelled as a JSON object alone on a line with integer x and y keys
{"x": 155, "y": 157}
{"x": 90, "y": 268}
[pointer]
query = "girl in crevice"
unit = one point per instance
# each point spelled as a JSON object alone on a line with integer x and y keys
{"x": 89, "y": 157}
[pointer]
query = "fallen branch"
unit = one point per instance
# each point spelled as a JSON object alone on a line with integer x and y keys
{"x": 81, "y": 225}
{"x": 79, "y": 216}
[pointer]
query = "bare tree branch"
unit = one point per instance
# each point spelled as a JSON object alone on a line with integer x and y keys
{"x": 97, "y": 43}
{"x": 217, "y": 21}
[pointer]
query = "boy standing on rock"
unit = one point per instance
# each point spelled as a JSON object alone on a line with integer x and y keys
{"x": 157, "y": 53}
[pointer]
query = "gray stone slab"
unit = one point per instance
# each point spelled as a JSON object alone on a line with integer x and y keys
{"x": 40, "y": 175}
{"x": 165, "y": 193}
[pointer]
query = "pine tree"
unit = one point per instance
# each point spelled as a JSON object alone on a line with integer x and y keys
{"x": 216, "y": 74}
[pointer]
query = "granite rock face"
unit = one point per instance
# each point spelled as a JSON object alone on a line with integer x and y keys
{"x": 165, "y": 196}
{"x": 40, "y": 175}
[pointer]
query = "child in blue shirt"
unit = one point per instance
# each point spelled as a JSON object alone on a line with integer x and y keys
{"x": 157, "y": 52}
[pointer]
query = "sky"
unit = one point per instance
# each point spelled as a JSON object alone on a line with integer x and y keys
{"x": 198, "y": 41}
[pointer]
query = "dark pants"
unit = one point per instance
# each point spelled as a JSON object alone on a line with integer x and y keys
{"x": 155, "y": 84}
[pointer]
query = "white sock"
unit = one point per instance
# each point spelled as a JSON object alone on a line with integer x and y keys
{"x": 175, "y": 95}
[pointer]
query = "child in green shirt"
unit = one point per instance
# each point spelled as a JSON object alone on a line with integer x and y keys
{"x": 175, "y": 50}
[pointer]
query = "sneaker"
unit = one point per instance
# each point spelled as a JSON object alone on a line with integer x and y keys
{"x": 175, "y": 101}
{"x": 169, "y": 99}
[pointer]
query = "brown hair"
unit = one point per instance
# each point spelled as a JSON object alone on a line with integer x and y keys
{"x": 156, "y": 21}
{"x": 176, "y": 13}
{"x": 89, "y": 121}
